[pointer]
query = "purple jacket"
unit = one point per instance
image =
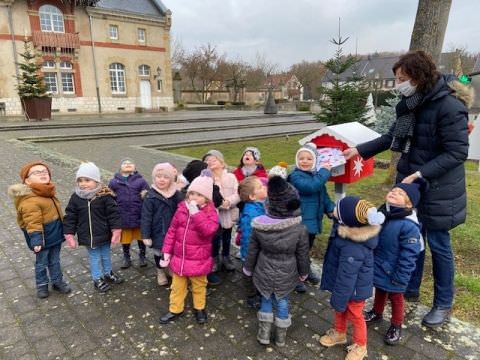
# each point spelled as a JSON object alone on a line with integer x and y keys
{"x": 129, "y": 199}
{"x": 189, "y": 240}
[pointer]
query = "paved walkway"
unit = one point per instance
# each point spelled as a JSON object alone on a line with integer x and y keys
{"x": 123, "y": 324}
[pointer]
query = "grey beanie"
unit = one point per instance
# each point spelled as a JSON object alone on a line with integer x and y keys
{"x": 215, "y": 153}
{"x": 89, "y": 170}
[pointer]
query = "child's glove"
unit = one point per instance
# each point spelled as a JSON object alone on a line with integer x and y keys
{"x": 147, "y": 242}
{"x": 37, "y": 248}
{"x": 70, "y": 239}
{"x": 165, "y": 261}
{"x": 192, "y": 207}
{"x": 116, "y": 234}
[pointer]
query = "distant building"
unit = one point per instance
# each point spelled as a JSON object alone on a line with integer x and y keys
{"x": 115, "y": 53}
{"x": 286, "y": 87}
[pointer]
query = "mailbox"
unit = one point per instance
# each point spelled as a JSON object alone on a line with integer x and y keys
{"x": 344, "y": 136}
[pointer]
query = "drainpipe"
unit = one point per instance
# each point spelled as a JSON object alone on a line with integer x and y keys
{"x": 95, "y": 65}
{"x": 14, "y": 45}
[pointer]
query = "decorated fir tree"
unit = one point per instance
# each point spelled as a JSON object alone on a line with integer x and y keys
{"x": 30, "y": 81}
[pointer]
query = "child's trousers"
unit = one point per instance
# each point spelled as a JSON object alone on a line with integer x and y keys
{"x": 179, "y": 290}
{"x": 48, "y": 258}
{"x": 398, "y": 305}
{"x": 100, "y": 261}
{"x": 354, "y": 314}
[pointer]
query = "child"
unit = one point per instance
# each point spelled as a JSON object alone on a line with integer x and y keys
{"x": 250, "y": 165}
{"x": 279, "y": 170}
{"x": 314, "y": 198}
{"x": 39, "y": 215}
{"x": 399, "y": 244}
{"x": 348, "y": 271}
{"x": 158, "y": 209}
{"x": 93, "y": 215}
{"x": 277, "y": 258}
{"x": 130, "y": 187}
{"x": 187, "y": 249}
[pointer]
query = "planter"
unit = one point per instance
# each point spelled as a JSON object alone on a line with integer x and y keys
{"x": 37, "y": 108}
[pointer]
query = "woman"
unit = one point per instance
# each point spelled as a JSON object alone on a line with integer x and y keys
{"x": 431, "y": 133}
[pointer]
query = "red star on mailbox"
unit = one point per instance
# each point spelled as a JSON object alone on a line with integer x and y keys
{"x": 357, "y": 166}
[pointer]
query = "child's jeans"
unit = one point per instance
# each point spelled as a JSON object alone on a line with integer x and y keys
{"x": 48, "y": 258}
{"x": 179, "y": 289}
{"x": 354, "y": 314}
{"x": 223, "y": 237}
{"x": 280, "y": 305}
{"x": 398, "y": 305}
{"x": 100, "y": 261}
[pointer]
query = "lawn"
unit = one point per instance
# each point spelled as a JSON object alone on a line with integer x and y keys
{"x": 465, "y": 238}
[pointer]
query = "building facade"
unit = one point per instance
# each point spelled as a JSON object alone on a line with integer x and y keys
{"x": 112, "y": 56}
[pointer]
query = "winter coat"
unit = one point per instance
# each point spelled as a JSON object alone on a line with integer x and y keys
{"x": 129, "y": 198}
{"x": 399, "y": 244}
{"x": 92, "y": 220}
{"x": 250, "y": 211}
{"x": 189, "y": 240}
{"x": 228, "y": 185}
{"x": 39, "y": 217}
{"x": 438, "y": 150}
{"x": 348, "y": 264}
{"x": 259, "y": 172}
{"x": 277, "y": 255}
{"x": 157, "y": 214}
{"x": 314, "y": 199}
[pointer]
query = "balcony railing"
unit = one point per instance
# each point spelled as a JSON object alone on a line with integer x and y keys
{"x": 56, "y": 40}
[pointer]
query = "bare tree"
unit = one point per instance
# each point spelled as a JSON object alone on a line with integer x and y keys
{"x": 233, "y": 74}
{"x": 310, "y": 75}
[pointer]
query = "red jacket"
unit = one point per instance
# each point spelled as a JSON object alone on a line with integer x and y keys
{"x": 259, "y": 172}
{"x": 189, "y": 240}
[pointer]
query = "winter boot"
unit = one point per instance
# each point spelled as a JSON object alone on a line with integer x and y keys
{"x": 265, "y": 321}
{"x": 42, "y": 291}
{"x": 142, "y": 260}
{"x": 281, "y": 326}
{"x": 127, "y": 262}
{"x": 332, "y": 338}
{"x": 62, "y": 287}
{"x": 356, "y": 352}
{"x": 216, "y": 264}
{"x": 161, "y": 277}
{"x": 372, "y": 317}
{"x": 393, "y": 335}
{"x": 213, "y": 279}
{"x": 227, "y": 264}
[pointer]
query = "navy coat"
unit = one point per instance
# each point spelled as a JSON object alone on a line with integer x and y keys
{"x": 438, "y": 150}
{"x": 348, "y": 264}
{"x": 314, "y": 199}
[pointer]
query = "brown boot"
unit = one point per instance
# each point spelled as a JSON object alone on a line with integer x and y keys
{"x": 161, "y": 277}
{"x": 356, "y": 352}
{"x": 332, "y": 338}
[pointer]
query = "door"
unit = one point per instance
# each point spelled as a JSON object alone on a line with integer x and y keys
{"x": 145, "y": 94}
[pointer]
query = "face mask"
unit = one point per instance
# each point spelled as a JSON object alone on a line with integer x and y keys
{"x": 406, "y": 88}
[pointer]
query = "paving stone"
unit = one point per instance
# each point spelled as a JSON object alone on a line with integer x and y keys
{"x": 50, "y": 348}
{"x": 10, "y": 334}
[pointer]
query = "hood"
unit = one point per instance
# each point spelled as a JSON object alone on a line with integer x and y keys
{"x": 359, "y": 234}
{"x": 413, "y": 217}
{"x": 449, "y": 84}
{"x": 104, "y": 191}
{"x": 267, "y": 223}
{"x": 19, "y": 190}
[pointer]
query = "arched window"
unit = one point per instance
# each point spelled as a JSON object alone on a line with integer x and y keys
{"x": 117, "y": 78}
{"x": 144, "y": 70}
{"x": 51, "y": 19}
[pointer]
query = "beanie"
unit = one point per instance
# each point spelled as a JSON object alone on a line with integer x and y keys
{"x": 203, "y": 185}
{"x": 279, "y": 170}
{"x": 193, "y": 169}
{"x": 88, "y": 170}
{"x": 255, "y": 152}
{"x": 310, "y": 148}
{"x": 125, "y": 160}
{"x": 26, "y": 168}
{"x": 283, "y": 198}
{"x": 355, "y": 212}
{"x": 215, "y": 153}
{"x": 166, "y": 169}
{"x": 413, "y": 190}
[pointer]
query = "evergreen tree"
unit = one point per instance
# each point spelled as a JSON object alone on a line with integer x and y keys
{"x": 30, "y": 82}
{"x": 387, "y": 114}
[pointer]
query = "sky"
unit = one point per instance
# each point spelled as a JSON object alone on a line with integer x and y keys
{"x": 287, "y": 32}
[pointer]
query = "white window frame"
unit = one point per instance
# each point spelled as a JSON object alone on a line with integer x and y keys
{"x": 142, "y": 35}
{"x": 144, "y": 70}
{"x": 51, "y": 19}
{"x": 66, "y": 82}
{"x": 66, "y": 65}
{"x": 47, "y": 75}
{"x": 48, "y": 64}
{"x": 117, "y": 78}
{"x": 113, "y": 32}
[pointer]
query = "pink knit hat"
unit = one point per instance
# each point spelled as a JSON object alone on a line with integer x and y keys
{"x": 168, "y": 170}
{"x": 202, "y": 185}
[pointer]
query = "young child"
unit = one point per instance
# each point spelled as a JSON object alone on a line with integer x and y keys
{"x": 250, "y": 165}
{"x": 279, "y": 170}
{"x": 130, "y": 187}
{"x": 348, "y": 271}
{"x": 93, "y": 215}
{"x": 158, "y": 209}
{"x": 39, "y": 215}
{"x": 399, "y": 244}
{"x": 314, "y": 198}
{"x": 277, "y": 258}
{"x": 187, "y": 249}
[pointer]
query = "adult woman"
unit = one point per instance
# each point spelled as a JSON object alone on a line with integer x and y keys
{"x": 431, "y": 133}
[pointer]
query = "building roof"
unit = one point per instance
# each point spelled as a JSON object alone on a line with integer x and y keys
{"x": 144, "y": 7}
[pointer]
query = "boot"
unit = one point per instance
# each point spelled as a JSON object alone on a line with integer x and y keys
{"x": 142, "y": 261}
{"x": 42, "y": 291}
{"x": 281, "y": 326}
{"x": 216, "y": 263}
{"x": 213, "y": 279}
{"x": 62, "y": 287}
{"x": 393, "y": 335}
{"x": 113, "y": 278}
{"x": 127, "y": 262}
{"x": 372, "y": 317}
{"x": 313, "y": 278}
{"x": 436, "y": 317}
{"x": 161, "y": 277}
{"x": 265, "y": 321}
{"x": 356, "y": 352}
{"x": 200, "y": 316}
{"x": 332, "y": 338}
{"x": 227, "y": 264}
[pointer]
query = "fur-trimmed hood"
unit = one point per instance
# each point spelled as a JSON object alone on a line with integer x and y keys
{"x": 464, "y": 93}
{"x": 267, "y": 223}
{"x": 19, "y": 190}
{"x": 359, "y": 234}
{"x": 104, "y": 191}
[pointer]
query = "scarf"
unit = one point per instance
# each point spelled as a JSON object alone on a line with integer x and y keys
{"x": 248, "y": 170}
{"x": 45, "y": 190}
{"x": 167, "y": 193}
{"x": 392, "y": 212}
{"x": 405, "y": 123}
{"x": 87, "y": 194}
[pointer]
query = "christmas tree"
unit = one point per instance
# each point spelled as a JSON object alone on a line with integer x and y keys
{"x": 387, "y": 115}
{"x": 30, "y": 81}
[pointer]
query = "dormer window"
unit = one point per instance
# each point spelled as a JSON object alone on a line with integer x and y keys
{"x": 51, "y": 19}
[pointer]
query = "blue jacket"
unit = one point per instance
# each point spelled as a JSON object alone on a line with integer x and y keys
{"x": 348, "y": 264}
{"x": 399, "y": 244}
{"x": 314, "y": 198}
{"x": 250, "y": 211}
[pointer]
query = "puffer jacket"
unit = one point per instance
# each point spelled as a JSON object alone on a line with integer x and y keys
{"x": 189, "y": 240}
{"x": 259, "y": 172}
{"x": 39, "y": 217}
{"x": 314, "y": 199}
{"x": 251, "y": 210}
{"x": 92, "y": 220}
{"x": 228, "y": 185}
{"x": 439, "y": 148}
{"x": 277, "y": 255}
{"x": 348, "y": 264}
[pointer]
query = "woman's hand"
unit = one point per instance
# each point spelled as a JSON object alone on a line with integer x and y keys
{"x": 350, "y": 153}
{"x": 410, "y": 178}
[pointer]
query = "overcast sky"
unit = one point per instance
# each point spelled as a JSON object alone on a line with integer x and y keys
{"x": 287, "y": 32}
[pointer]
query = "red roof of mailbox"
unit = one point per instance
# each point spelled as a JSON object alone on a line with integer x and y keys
{"x": 352, "y": 133}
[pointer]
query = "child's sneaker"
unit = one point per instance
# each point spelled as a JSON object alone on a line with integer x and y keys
{"x": 42, "y": 292}
{"x": 356, "y": 352}
{"x": 62, "y": 287}
{"x": 101, "y": 285}
{"x": 113, "y": 278}
{"x": 332, "y": 338}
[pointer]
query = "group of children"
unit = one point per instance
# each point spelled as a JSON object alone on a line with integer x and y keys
{"x": 185, "y": 219}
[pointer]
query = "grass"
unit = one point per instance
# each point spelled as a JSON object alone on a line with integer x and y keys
{"x": 465, "y": 238}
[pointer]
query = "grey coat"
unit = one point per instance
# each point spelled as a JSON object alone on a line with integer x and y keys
{"x": 277, "y": 255}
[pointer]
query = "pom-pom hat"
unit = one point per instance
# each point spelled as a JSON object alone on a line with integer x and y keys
{"x": 283, "y": 198}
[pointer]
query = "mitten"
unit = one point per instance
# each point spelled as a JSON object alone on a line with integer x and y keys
{"x": 192, "y": 207}
{"x": 165, "y": 261}
{"x": 147, "y": 242}
{"x": 70, "y": 239}
{"x": 116, "y": 234}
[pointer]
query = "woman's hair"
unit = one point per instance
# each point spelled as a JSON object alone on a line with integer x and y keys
{"x": 247, "y": 187}
{"x": 419, "y": 66}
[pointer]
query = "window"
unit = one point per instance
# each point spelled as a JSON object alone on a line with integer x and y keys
{"x": 117, "y": 78}
{"x": 51, "y": 82}
{"x": 144, "y": 70}
{"x": 159, "y": 85}
{"x": 51, "y": 19}
{"x": 141, "y": 35}
{"x": 49, "y": 64}
{"x": 65, "y": 65}
{"x": 67, "y": 83}
{"x": 113, "y": 32}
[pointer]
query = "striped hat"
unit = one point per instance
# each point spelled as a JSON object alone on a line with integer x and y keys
{"x": 355, "y": 212}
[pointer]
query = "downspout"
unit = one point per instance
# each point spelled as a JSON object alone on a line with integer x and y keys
{"x": 14, "y": 46}
{"x": 95, "y": 65}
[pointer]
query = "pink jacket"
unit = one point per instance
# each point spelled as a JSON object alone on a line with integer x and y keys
{"x": 189, "y": 240}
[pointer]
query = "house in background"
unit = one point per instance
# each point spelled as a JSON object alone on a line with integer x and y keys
{"x": 285, "y": 87}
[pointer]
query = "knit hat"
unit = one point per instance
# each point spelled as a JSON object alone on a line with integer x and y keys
{"x": 310, "y": 148}
{"x": 255, "y": 152}
{"x": 164, "y": 168}
{"x": 283, "y": 198}
{"x": 203, "y": 185}
{"x": 127, "y": 159}
{"x": 193, "y": 169}
{"x": 26, "y": 168}
{"x": 215, "y": 153}
{"x": 279, "y": 170}
{"x": 413, "y": 190}
{"x": 89, "y": 170}
{"x": 355, "y": 212}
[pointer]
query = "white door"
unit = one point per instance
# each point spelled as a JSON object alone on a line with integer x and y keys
{"x": 145, "y": 94}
